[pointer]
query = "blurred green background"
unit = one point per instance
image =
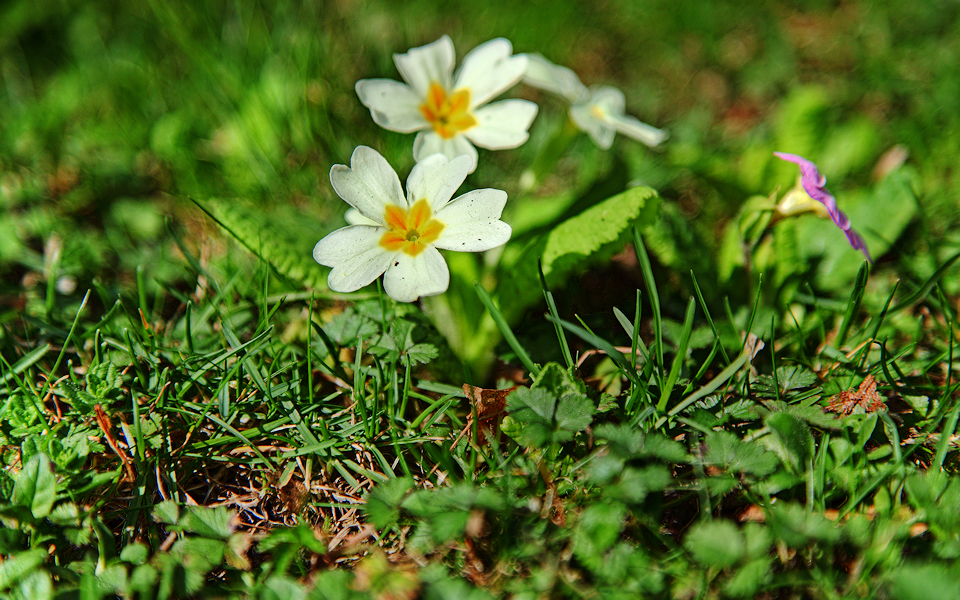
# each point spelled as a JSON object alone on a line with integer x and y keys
{"x": 113, "y": 115}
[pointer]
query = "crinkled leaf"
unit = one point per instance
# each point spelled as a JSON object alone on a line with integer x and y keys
{"x": 557, "y": 380}
{"x": 103, "y": 379}
{"x": 349, "y": 325}
{"x": 574, "y": 413}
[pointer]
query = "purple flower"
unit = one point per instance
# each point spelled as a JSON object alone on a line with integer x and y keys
{"x": 813, "y": 182}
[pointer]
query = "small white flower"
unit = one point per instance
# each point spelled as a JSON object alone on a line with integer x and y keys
{"x": 449, "y": 109}
{"x": 398, "y": 236}
{"x": 598, "y": 110}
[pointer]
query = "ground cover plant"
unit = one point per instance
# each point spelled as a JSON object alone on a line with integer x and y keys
{"x": 582, "y": 334}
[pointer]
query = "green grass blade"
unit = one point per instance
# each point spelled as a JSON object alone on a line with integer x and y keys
{"x": 853, "y": 304}
{"x": 678, "y": 358}
{"x": 552, "y": 307}
{"x": 506, "y": 332}
{"x": 651, "y": 284}
{"x": 706, "y": 313}
{"x": 924, "y": 289}
{"x": 602, "y": 344}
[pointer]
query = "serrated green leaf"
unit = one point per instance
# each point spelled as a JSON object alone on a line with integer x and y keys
{"x": 729, "y": 452}
{"x": 629, "y": 443}
{"x": 748, "y": 579}
{"x": 17, "y": 567}
{"x": 574, "y": 413}
{"x": 135, "y": 553}
{"x": 791, "y": 439}
{"x": 215, "y": 523}
{"x": 421, "y": 353}
{"x": 546, "y": 419}
{"x": 795, "y": 377}
{"x": 287, "y": 248}
{"x": 715, "y": 543}
{"x": 36, "y": 486}
{"x": 599, "y": 527}
{"x": 383, "y": 502}
{"x": 167, "y": 512}
{"x": 798, "y": 527}
{"x": 594, "y": 234}
{"x": 199, "y": 554}
{"x": 557, "y": 380}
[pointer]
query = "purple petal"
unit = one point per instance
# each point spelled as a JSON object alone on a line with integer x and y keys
{"x": 813, "y": 183}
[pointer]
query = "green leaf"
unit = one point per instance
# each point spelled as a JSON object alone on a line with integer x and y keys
{"x": 216, "y": 523}
{"x": 36, "y": 486}
{"x": 729, "y": 452}
{"x": 595, "y": 234}
{"x": 715, "y": 543}
{"x": 103, "y": 379}
{"x": 795, "y": 377}
{"x": 634, "y": 484}
{"x": 38, "y": 585}
{"x": 798, "y": 527}
{"x": 300, "y": 537}
{"x": 599, "y": 528}
{"x": 627, "y": 443}
{"x": 17, "y": 567}
{"x": 383, "y": 502}
{"x": 135, "y": 553}
{"x": 574, "y": 414}
{"x": 747, "y": 580}
{"x": 557, "y": 380}
{"x": 167, "y": 512}
{"x": 287, "y": 246}
{"x": 546, "y": 419}
{"x": 199, "y": 554}
{"x": 791, "y": 439}
{"x": 924, "y": 581}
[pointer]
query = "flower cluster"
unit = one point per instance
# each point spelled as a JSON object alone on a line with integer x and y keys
{"x": 813, "y": 183}
{"x": 398, "y": 235}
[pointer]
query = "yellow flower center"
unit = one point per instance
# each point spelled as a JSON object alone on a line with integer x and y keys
{"x": 598, "y": 112}
{"x": 448, "y": 114}
{"x": 410, "y": 232}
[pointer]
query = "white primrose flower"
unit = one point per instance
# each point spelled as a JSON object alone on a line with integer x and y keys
{"x": 399, "y": 236}
{"x": 598, "y": 110}
{"x": 450, "y": 110}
